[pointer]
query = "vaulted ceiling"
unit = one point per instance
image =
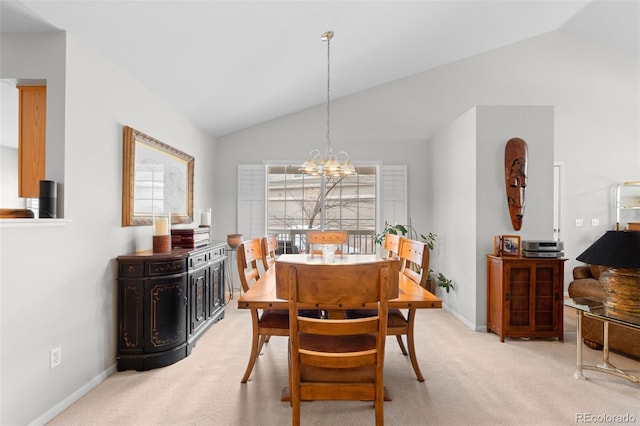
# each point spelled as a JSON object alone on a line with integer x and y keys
{"x": 229, "y": 65}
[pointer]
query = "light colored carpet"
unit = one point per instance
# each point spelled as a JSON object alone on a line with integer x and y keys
{"x": 471, "y": 378}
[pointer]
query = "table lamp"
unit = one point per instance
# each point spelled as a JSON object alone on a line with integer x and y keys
{"x": 619, "y": 251}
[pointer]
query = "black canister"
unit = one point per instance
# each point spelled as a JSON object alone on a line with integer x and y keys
{"x": 47, "y": 199}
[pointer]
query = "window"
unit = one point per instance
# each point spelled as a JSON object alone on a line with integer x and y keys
{"x": 297, "y": 202}
{"x": 277, "y": 198}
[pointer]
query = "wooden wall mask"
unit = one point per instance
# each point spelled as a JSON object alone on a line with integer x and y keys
{"x": 515, "y": 174}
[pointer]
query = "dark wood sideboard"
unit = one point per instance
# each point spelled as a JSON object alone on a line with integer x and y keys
{"x": 166, "y": 302}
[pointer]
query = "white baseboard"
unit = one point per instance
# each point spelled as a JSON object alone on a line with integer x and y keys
{"x": 74, "y": 397}
{"x": 463, "y": 320}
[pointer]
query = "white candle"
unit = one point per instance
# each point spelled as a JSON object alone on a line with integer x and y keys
{"x": 161, "y": 226}
{"x": 205, "y": 217}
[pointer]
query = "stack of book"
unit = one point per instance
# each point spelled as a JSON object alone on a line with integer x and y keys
{"x": 189, "y": 237}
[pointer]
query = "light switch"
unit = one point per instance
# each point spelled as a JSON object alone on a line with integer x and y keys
{"x": 578, "y": 222}
{"x": 595, "y": 222}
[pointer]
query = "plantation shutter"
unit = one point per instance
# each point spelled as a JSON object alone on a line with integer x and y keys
{"x": 251, "y": 200}
{"x": 393, "y": 194}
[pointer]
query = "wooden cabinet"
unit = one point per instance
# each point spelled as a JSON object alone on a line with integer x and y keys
{"x": 206, "y": 296}
{"x": 32, "y": 132}
{"x": 166, "y": 302}
{"x": 524, "y": 296}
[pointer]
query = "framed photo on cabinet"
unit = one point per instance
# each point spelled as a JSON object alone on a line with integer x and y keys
{"x": 497, "y": 245}
{"x": 510, "y": 245}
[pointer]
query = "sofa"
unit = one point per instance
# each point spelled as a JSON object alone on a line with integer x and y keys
{"x": 621, "y": 339}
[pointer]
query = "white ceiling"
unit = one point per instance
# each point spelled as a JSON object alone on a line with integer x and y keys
{"x": 229, "y": 65}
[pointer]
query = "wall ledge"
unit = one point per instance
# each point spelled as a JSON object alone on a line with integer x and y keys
{"x": 33, "y": 223}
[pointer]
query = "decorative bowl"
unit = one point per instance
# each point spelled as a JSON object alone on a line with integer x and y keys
{"x": 234, "y": 240}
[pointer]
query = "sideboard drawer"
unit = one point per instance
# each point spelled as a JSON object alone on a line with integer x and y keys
{"x": 166, "y": 267}
{"x": 130, "y": 270}
{"x": 198, "y": 260}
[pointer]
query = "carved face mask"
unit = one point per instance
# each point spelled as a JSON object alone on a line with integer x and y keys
{"x": 515, "y": 170}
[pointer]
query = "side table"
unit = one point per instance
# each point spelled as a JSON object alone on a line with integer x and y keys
{"x": 593, "y": 308}
{"x": 232, "y": 270}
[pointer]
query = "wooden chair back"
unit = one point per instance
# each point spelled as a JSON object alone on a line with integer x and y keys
{"x": 249, "y": 253}
{"x": 415, "y": 260}
{"x": 392, "y": 244}
{"x": 318, "y": 238}
{"x": 269, "y": 248}
{"x": 338, "y": 359}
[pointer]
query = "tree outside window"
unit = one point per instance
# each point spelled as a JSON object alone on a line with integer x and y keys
{"x": 295, "y": 202}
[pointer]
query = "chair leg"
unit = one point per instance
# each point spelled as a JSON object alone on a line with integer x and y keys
{"x": 255, "y": 347}
{"x": 294, "y": 390}
{"x": 263, "y": 339}
{"x": 410, "y": 342}
{"x": 401, "y": 344}
{"x": 379, "y": 413}
{"x": 379, "y": 403}
{"x": 295, "y": 410}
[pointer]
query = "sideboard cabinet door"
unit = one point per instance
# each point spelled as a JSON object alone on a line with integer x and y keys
{"x": 130, "y": 310}
{"x": 166, "y": 308}
{"x": 216, "y": 296}
{"x": 198, "y": 288}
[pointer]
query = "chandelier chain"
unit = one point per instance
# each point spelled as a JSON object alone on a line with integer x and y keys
{"x": 328, "y": 165}
{"x": 329, "y": 94}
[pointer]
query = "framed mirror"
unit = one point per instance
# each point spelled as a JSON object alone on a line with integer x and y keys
{"x": 155, "y": 178}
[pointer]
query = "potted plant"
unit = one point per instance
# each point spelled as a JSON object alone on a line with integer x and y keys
{"x": 433, "y": 282}
{"x": 408, "y": 230}
{"x": 405, "y": 230}
{"x": 444, "y": 282}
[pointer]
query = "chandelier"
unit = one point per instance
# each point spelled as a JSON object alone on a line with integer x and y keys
{"x": 328, "y": 164}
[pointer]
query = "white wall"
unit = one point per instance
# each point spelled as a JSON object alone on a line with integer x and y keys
{"x": 9, "y": 179}
{"x": 58, "y": 283}
{"x": 453, "y": 211}
{"x": 9, "y": 147}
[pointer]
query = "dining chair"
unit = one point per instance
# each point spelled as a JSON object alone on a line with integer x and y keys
{"x": 266, "y": 322}
{"x": 392, "y": 244}
{"x": 269, "y": 249}
{"x": 340, "y": 359}
{"x": 415, "y": 265}
{"x": 414, "y": 256}
{"x": 316, "y": 238}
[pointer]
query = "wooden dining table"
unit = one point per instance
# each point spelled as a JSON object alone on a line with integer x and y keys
{"x": 263, "y": 294}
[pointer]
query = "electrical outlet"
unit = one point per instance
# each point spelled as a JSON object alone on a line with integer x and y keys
{"x": 578, "y": 222}
{"x": 595, "y": 222}
{"x": 55, "y": 357}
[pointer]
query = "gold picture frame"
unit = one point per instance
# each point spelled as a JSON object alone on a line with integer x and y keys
{"x": 155, "y": 178}
{"x": 510, "y": 245}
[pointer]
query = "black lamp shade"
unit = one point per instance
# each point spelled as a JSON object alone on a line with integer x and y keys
{"x": 615, "y": 249}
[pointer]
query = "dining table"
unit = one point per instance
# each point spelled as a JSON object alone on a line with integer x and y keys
{"x": 264, "y": 293}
